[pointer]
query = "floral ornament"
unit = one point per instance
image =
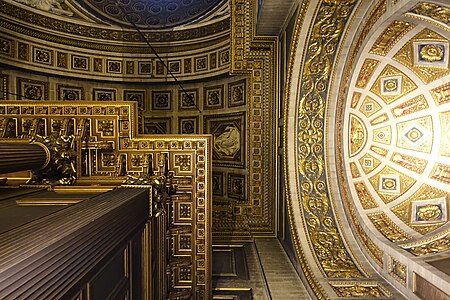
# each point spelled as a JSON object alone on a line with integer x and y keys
{"x": 432, "y": 53}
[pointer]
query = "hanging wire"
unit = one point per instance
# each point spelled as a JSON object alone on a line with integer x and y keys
{"x": 154, "y": 52}
{"x": 118, "y": 4}
{"x": 18, "y": 95}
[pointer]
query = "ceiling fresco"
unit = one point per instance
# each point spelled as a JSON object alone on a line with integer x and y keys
{"x": 396, "y": 134}
{"x": 150, "y": 14}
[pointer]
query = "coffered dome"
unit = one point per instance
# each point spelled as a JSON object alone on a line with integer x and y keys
{"x": 397, "y": 135}
{"x": 150, "y": 14}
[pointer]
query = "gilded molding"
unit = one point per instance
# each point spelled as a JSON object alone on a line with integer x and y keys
{"x": 441, "y": 94}
{"x": 434, "y": 245}
{"x": 78, "y": 30}
{"x": 435, "y": 12}
{"x": 100, "y": 45}
{"x": 390, "y": 184}
{"x": 357, "y": 289}
{"x": 316, "y": 287}
{"x": 364, "y": 196}
{"x": 397, "y": 270}
{"x": 211, "y": 60}
{"x": 387, "y": 227}
{"x": 369, "y": 66}
{"x": 255, "y": 57}
{"x": 390, "y": 36}
{"x": 411, "y": 163}
{"x": 425, "y": 211}
{"x": 374, "y": 251}
{"x": 392, "y": 84}
{"x": 426, "y": 54}
{"x": 441, "y": 172}
{"x": 321, "y": 223}
{"x": 416, "y": 104}
{"x": 411, "y": 106}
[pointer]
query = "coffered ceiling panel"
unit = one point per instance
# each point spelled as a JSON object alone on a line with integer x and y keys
{"x": 397, "y": 119}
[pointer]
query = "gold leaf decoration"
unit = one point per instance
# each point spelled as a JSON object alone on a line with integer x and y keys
{"x": 379, "y": 150}
{"x": 441, "y": 172}
{"x": 369, "y": 107}
{"x": 441, "y": 94}
{"x": 387, "y": 227}
{"x": 360, "y": 290}
{"x": 391, "y": 184}
{"x": 369, "y": 163}
{"x": 411, "y": 106}
{"x": 409, "y": 162}
{"x": 392, "y": 84}
{"x": 422, "y": 211}
{"x": 355, "y": 99}
{"x": 434, "y": 246}
{"x": 431, "y": 53}
{"x": 328, "y": 245}
{"x": 354, "y": 170}
{"x": 390, "y": 36}
{"x": 444, "y": 149}
{"x": 433, "y": 11}
{"x": 427, "y": 55}
{"x": 382, "y": 135}
{"x": 364, "y": 196}
{"x": 380, "y": 119}
{"x": 358, "y": 135}
{"x": 397, "y": 270}
{"x": 367, "y": 70}
{"x": 416, "y": 134}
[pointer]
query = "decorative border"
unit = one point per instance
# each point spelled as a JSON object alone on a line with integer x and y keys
{"x": 312, "y": 181}
{"x": 371, "y": 248}
{"x": 255, "y": 58}
{"x": 303, "y": 254}
{"x": 84, "y": 31}
{"x": 83, "y": 59}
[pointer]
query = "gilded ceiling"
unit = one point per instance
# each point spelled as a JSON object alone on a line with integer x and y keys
{"x": 370, "y": 112}
{"x": 397, "y": 124}
{"x": 63, "y": 40}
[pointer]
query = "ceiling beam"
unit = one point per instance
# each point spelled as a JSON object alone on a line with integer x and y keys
{"x": 273, "y": 16}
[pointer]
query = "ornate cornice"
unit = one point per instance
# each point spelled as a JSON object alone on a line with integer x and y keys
{"x": 68, "y": 27}
{"x": 256, "y": 57}
{"x": 326, "y": 240}
{"x": 105, "y": 44}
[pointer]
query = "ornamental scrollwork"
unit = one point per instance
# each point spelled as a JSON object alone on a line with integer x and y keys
{"x": 326, "y": 240}
{"x": 160, "y": 181}
{"x": 436, "y": 246}
{"x": 434, "y": 11}
{"x": 61, "y": 168}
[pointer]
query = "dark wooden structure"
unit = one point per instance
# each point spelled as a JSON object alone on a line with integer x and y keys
{"x": 89, "y": 250}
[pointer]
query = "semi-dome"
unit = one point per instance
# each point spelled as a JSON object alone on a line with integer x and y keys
{"x": 150, "y": 14}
